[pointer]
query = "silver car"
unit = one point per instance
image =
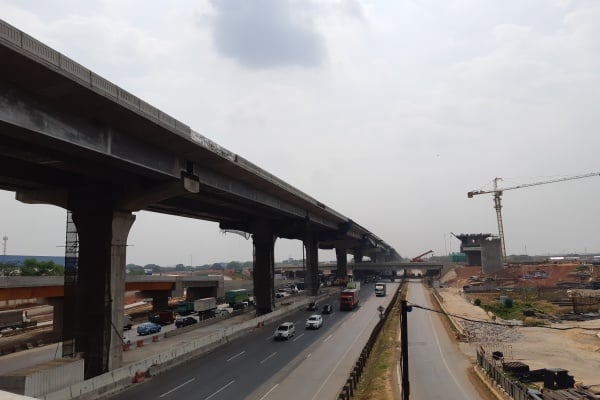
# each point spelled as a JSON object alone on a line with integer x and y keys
{"x": 285, "y": 331}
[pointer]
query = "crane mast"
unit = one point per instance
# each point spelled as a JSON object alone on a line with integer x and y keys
{"x": 497, "y": 192}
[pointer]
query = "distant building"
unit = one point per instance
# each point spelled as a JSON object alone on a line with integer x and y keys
{"x": 470, "y": 245}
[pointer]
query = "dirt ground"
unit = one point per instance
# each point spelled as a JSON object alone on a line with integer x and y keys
{"x": 570, "y": 345}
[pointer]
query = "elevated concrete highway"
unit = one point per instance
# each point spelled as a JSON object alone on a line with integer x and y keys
{"x": 43, "y": 287}
{"x": 71, "y": 138}
{"x": 369, "y": 267}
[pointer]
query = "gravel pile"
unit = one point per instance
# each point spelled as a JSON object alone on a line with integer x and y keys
{"x": 486, "y": 332}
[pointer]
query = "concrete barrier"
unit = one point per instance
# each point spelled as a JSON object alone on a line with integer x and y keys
{"x": 108, "y": 384}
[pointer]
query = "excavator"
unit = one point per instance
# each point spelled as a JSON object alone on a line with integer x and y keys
{"x": 419, "y": 258}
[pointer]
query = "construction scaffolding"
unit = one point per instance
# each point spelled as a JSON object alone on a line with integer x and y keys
{"x": 584, "y": 300}
{"x": 70, "y": 287}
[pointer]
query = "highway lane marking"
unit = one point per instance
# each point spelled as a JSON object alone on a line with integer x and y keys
{"x": 269, "y": 392}
{"x": 298, "y": 337}
{"x": 340, "y": 361}
{"x": 268, "y": 357}
{"x": 327, "y": 338}
{"x": 220, "y": 390}
{"x": 444, "y": 358}
{"x": 177, "y": 387}
{"x": 237, "y": 355}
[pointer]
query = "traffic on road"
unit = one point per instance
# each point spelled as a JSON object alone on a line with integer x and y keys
{"x": 255, "y": 366}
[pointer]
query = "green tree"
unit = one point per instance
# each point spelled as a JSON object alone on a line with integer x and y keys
{"x": 9, "y": 269}
{"x": 180, "y": 267}
{"x": 153, "y": 267}
{"x": 236, "y": 266}
{"x": 135, "y": 269}
{"x": 33, "y": 267}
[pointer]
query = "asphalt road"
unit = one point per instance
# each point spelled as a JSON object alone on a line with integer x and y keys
{"x": 320, "y": 371}
{"x": 311, "y": 365}
{"x": 437, "y": 368}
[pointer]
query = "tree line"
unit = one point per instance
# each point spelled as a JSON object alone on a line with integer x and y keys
{"x": 31, "y": 267}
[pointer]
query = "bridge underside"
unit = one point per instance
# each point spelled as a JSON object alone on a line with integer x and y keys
{"x": 72, "y": 139}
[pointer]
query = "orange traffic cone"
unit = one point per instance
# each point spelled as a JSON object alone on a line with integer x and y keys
{"x": 139, "y": 377}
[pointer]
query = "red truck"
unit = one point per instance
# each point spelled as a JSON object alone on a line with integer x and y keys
{"x": 349, "y": 299}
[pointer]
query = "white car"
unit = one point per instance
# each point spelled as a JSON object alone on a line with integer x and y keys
{"x": 314, "y": 322}
{"x": 285, "y": 331}
{"x": 221, "y": 312}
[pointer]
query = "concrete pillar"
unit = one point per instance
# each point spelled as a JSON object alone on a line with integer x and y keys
{"x": 58, "y": 314}
{"x": 178, "y": 292}
{"x": 160, "y": 300}
{"x": 194, "y": 293}
{"x": 358, "y": 256}
{"x": 342, "y": 261}
{"x": 264, "y": 268}
{"x": 311, "y": 280}
{"x": 100, "y": 289}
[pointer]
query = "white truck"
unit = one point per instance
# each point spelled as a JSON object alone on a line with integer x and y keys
{"x": 200, "y": 306}
{"x": 380, "y": 289}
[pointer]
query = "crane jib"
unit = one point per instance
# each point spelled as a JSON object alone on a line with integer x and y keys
{"x": 498, "y": 192}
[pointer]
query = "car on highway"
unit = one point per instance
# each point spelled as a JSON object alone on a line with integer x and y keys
{"x": 221, "y": 312}
{"x": 181, "y": 322}
{"x": 313, "y": 306}
{"x": 284, "y": 331}
{"x": 327, "y": 309}
{"x": 148, "y": 328}
{"x": 127, "y": 325}
{"x": 315, "y": 321}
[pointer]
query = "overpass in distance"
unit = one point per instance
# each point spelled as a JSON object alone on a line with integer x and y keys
{"x": 369, "y": 267}
{"x": 70, "y": 138}
{"x": 43, "y": 287}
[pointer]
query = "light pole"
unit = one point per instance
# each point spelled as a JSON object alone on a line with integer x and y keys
{"x": 404, "y": 349}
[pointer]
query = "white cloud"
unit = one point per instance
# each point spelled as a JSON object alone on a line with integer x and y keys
{"x": 389, "y": 112}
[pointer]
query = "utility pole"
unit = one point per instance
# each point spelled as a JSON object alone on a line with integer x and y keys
{"x": 4, "y": 240}
{"x": 404, "y": 349}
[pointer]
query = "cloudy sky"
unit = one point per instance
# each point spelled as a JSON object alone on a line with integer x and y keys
{"x": 387, "y": 111}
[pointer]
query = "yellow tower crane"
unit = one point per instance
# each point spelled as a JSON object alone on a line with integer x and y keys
{"x": 497, "y": 192}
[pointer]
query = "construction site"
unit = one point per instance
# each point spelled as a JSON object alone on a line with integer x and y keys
{"x": 531, "y": 327}
{"x": 571, "y": 284}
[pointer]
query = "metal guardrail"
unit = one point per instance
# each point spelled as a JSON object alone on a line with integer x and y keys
{"x": 347, "y": 391}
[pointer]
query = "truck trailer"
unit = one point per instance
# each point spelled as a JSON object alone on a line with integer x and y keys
{"x": 15, "y": 319}
{"x": 349, "y": 299}
{"x": 196, "y": 306}
{"x": 353, "y": 285}
{"x": 236, "y": 296}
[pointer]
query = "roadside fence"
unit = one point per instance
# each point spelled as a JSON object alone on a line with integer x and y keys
{"x": 512, "y": 389}
{"x": 348, "y": 390}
